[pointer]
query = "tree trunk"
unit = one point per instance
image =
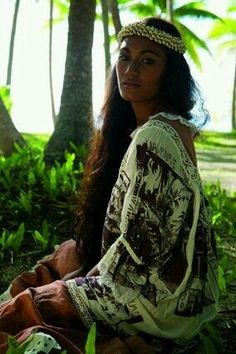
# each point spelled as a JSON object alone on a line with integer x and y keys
{"x": 9, "y": 135}
{"x": 12, "y": 41}
{"x": 234, "y": 100}
{"x": 76, "y": 100}
{"x": 50, "y": 62}
{"x": 114, "y": 8}
{"x": 170, "y": 10}
{"x": 105, "y": 22}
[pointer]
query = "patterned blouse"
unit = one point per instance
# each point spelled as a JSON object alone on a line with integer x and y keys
{"x": 158, "y": 270}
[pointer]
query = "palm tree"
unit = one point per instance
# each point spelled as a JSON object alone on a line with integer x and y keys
{"x": 8, "y": 132}
{"x": 168, "y": 10}
{"x": 114, "y": 9}
{"x": 50, "y": 61}
{"x": 9, "y": 135}
{"x": 12, "y": 42}
{"x": 225, "y": 32}
{"x": 76, "y": 100}
{"x": 105, "y": 22}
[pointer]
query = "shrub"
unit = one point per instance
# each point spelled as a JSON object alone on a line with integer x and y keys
{"x": 36, "y": 202}
{"x": 223, "y": 208}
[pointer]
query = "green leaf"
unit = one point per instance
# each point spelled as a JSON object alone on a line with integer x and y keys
{"x": 208, "y": 344}
{"x": 191, "y": 42}
{"x": 161, "y": 4}
{"x": 31, "y": 178}
{"x": 195, "y": 10}
{"x": 53, "y": 178}
{"x": 13, "y": 240}
{"x": 5, "y": 95}
{"x": 213, "y": 333}
{"x": 221, "y": 279}
{"x": 90, "y": 343}
{"x": 227, "y": 27}
{"x": 25, "y": 200}
{"x": 45, "y": 229}
{"x": 41, "y": 239}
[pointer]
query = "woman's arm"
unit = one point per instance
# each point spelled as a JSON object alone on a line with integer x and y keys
{"x": 76, "y": 273}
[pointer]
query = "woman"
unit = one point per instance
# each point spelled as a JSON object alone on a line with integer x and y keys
{"x": 156, "y": 276}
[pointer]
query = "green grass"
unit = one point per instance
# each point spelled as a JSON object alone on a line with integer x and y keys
{"x": 212, "y": 140}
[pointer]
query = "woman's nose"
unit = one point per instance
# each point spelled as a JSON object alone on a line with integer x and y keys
{"x": 132, "y": 68}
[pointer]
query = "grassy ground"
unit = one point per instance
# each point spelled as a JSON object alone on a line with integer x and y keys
{"x": 217, "y": 158}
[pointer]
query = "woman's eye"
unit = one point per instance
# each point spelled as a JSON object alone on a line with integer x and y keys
{"x": 147, "y": 61}
{"x": 123, "y": 57}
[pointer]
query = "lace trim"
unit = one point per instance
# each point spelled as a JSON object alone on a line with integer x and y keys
{"x": 182, "y": 120}
{"x": 79, "y": 303}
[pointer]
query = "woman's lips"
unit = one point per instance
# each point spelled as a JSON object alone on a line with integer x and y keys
{"x": 131, "y": 84}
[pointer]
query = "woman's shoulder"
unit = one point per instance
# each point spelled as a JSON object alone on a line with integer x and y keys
{"x": 171, "y": 135}
{"x": 163, "y": 125}
{"x": 174, "y": 120}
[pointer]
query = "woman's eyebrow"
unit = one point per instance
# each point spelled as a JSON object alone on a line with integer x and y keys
{"x": 150, "y": 51}
{"x": 144, "y": 51}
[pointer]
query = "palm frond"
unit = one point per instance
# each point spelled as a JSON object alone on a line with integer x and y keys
{"x": 185, "y": 11}
{"x": 192, "y": 43}
{"x": 190, "y": 36}
{"x": 232, "y": 8}
{"x": 225, "y": 28}
{"x": 161, "y": 4}
{"x": 192, "y": 52}
{"x": 62, "y": 7}
{"x": 228, "y": 45}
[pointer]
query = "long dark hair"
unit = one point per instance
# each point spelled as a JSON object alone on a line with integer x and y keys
{"x": 110, "y": 140}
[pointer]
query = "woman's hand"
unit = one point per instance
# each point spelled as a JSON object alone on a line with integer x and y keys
{"x": 93, "y": 272}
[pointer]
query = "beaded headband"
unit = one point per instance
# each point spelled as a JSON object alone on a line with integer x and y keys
{"x": 150, "y": 32}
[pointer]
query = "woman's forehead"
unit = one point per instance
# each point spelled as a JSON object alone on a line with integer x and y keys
{"x": 140, "y": 43}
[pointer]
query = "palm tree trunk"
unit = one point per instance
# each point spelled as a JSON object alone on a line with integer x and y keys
{"x": 9, "y": 135}
{"x": 50, "y": 62}
{"x": 12, "y": 41}
{"x": 76, "y": 99}
{"x": 234, "y": 100}
{"x": 105, "y": 21}
{"x": 114, "y": 8}
{"x": 170, "y": 10}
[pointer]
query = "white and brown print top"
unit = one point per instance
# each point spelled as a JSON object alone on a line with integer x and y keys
{"x": 158, "y": 268}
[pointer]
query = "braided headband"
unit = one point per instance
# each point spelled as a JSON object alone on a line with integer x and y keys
{"x": 150, "y": 32}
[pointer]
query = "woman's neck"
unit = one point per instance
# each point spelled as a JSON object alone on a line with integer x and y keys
{"x": 144, "y": 111}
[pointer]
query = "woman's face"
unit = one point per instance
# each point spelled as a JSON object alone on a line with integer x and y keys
{"x": 140, "y": 68}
